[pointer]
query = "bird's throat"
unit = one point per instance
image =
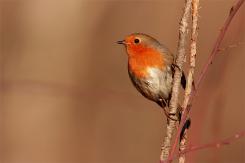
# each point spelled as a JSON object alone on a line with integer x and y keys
{"x": 140, "y": 62}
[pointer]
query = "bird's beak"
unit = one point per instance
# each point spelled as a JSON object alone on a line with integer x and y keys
{"x": 121, "y": 42}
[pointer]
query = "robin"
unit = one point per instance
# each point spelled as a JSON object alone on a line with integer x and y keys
{"x": 151, "y": 67}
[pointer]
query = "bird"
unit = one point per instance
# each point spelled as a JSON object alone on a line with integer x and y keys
{"x": 151, "y": 67}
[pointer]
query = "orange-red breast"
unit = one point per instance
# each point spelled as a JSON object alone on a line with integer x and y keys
{"x": 150, "y": 67}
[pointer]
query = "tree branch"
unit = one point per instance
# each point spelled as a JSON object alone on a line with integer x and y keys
{"x": 171, "y": 125}
{"x": 190, "y": 77}
{"x": 214, "y": 52}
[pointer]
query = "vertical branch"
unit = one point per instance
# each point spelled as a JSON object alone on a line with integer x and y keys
{"x": 190, "y": 77}
{"x": 214, "y": 52}
{"x": 171, "y": 125}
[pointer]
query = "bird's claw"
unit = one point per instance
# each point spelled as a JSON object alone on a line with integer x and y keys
{"x": 175, "y": 65}
{"x": 167, "y": 114}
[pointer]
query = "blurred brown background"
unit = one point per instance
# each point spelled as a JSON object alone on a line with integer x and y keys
{"x": 66, "y": 96}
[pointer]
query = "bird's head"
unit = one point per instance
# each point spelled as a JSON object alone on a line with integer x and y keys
{"x": 140, "y": 44}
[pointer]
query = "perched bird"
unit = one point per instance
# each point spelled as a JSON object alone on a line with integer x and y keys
{"x": 150, "y": 68}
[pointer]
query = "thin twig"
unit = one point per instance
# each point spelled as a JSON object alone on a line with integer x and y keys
{"x": 214, "y": 52}
{"x": 217, "y": 44}
{"x": 190, "y": 77}
{"x": 216, "y": 144}
{"x": 171, "y": 125}
{"x": 222, "y": 50}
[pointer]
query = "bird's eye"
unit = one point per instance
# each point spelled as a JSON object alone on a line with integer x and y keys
{"x": 136, "y": 41}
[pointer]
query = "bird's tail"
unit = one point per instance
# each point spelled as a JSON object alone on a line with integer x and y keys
{"x": 187, "y": 122}
{"x": 185, "y": 127}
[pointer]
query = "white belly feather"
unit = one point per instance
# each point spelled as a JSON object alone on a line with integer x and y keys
{"x": 160, "y": 82}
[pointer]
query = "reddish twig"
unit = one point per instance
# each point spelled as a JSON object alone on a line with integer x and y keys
{"x": 216, "y": 144}
{"x": 231, "y": 46}
{"x": 214, "y": 52}
{"x": 217, "y": 44}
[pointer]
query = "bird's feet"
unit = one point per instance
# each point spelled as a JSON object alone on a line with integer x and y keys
{"x": 166, "y": 112}
{"x": 175, "y": 65}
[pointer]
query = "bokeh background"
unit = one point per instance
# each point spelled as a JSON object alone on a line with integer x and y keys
{"x": 65, "y": 95}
